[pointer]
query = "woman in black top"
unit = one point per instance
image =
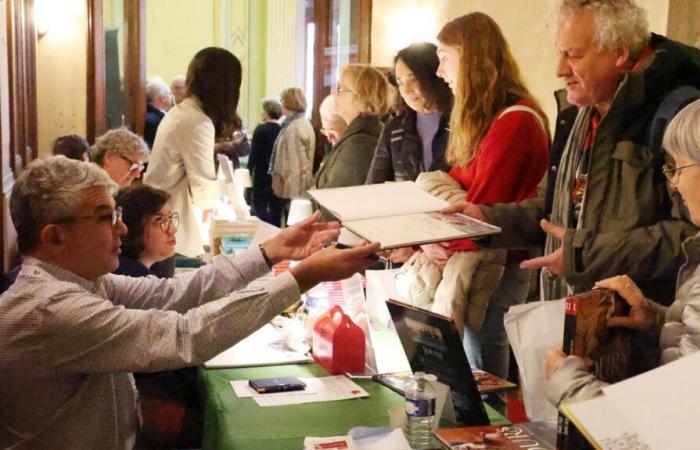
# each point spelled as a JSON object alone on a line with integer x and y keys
{"x": 415, "y": 140}
{"x": 264, "y": 204}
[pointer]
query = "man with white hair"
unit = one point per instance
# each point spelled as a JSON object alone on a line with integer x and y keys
{"x": 71, "y": 332}
{"x": 159, "y": 100}
{"x": 177, "y": 86}
{"x": 333, "y": 126}
{"x": 607, "y": 209}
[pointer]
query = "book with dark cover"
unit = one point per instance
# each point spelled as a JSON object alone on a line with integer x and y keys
{"x": 486, "y": 382}
{"x": 532, "y": 436}
{"x": 586, "y": 335}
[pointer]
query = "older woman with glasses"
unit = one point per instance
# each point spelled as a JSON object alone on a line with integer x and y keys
{"x": 361, "y": 98}
{"x": 169, "y": 406}
{"x": 569, "y": 378}
{"x": 122, "y": 154}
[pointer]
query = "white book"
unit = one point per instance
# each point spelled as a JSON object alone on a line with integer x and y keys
{"x": 652, "y": 411}
{"x": 398, "y": 214}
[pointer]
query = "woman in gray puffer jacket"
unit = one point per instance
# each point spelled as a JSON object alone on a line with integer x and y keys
{"x": 679, "y": 324}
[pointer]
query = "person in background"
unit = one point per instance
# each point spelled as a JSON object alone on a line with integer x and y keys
{"x": 333, "y": 126}
{"x": 291, "y": 163}
{"x": 72, "y": 146}
{"x": 122, "y": 154}
{"x": 264, "y": 203}
{"x": 71, "y": 332}
{"x": 178, "y": 89}
{"x": 159, "y": 100}
{"x": 499, "y": 150}
{"x": 415, "y": 140}
{"x": 569, "y": 377}
{"x": 361, "y": 97}
{"x": 182, "y": 158}
{"x": 233, "y": 148}
{"x": 170, "y": 409}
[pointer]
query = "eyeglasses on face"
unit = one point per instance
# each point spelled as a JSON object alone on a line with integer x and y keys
{"x": 672, "y": 172}
{"x": 134, "y": 165}
{"x": 339, "y": 89}
{"x": 171, "y": 220}
{"x": 112, "y": 217}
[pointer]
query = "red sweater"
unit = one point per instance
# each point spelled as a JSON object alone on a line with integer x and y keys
{"x": 510, "y": 162}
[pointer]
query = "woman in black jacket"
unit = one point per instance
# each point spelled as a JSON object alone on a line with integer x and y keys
{"x": 415, "y": 140}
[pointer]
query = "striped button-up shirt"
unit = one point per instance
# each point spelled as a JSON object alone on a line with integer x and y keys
{"x": 69, "y": 345}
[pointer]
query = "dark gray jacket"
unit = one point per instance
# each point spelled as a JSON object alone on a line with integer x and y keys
{"x": 399, "y": 153}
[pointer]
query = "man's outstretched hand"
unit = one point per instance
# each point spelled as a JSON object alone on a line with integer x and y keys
{"x": 301, "y": 239}
{"x": 332, "y": 264}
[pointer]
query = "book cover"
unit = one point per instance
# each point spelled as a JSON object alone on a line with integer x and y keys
{"x": 486, "y": 382}
{"x": 587, "y": 335}
{"x": 533, "y": 436}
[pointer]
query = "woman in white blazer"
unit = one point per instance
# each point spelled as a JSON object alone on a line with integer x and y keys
{"x": 182, "y": 159}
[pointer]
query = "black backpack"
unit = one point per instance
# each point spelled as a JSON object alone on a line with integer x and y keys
{"x": 669, "y": 107}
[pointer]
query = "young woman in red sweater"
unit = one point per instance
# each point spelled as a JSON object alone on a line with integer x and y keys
{"x": 498, "y": 150}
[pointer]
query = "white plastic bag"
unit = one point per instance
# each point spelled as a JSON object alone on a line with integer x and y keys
{"x": 534, "y": 328}
{"x": 381, "y": 286}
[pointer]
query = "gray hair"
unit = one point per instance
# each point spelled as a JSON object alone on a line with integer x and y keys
{"x": 618, "y": 22}
{"x": 272, "y": 107}
{"x": 121, "y": 142}
{"x": 682, "y": 136}
{"x": 49, "y": 191}
{"x": 155, "y": 86}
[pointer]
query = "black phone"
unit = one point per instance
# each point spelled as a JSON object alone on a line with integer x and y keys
{"x": 280, "y": 384}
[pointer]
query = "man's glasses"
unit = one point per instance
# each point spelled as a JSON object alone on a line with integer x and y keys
{"x": 672, "y": 171}
{"x": 112, "y": 217}
{"x": 171, "y": 220}
{"x": 134, "y": 166}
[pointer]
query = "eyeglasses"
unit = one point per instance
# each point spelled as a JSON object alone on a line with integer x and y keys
{"x": 171, "y": 220}
{"x": 134, "y": 165}
{"x": 672, "y": 171}
{"x": 112, "y": 217}
{"x": 339, "y": 89}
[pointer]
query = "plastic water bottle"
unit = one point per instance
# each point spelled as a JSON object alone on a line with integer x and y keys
{"x": 420, "y": 410}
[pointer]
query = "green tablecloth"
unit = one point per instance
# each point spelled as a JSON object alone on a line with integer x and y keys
{"x": 239, "y": 423}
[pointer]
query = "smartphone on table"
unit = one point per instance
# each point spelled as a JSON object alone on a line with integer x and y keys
{"x": 278, "y": 384}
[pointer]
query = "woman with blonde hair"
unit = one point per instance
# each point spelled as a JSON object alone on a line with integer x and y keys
{"x": 292, "y": 160}
{"x": 361, "y": 98}
{"x": 498, "y": 149}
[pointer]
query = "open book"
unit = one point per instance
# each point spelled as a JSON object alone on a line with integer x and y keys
{"x": 656, "y": 410}
{"x": 398, "y": 214}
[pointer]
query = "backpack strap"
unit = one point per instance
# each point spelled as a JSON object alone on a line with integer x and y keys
{"x": 669, "y": 107}
{"x": 524, "y": 109}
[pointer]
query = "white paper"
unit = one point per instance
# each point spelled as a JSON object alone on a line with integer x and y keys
{"x": 662, "y": 404}
{"x": 265, "y": 347}
{"x": 604, "y": 423}
{"x": 322, "y": 389}
{"x": 395, "y": 440}
{"x": 377, "y": 200}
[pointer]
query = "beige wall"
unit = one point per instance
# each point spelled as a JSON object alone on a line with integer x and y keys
{"x": 527, "y": 25}
{"x": 61, "y": 73}
{"x": 175, "y": 31}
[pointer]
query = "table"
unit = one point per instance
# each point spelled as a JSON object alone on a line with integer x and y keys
{"x": 239, "y": 423}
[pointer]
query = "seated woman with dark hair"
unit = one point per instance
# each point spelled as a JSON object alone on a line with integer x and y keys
{"x": 72, "y": 146}
{"x": 171, "y": 411}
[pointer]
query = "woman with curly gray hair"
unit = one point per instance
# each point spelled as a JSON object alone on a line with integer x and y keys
{"x": 121, "y": 154}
